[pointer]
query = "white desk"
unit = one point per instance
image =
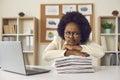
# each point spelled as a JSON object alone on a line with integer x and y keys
{"x": 103, "y": 73}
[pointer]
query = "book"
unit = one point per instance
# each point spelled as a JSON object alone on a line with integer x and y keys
{"x": 9, "y": 29}
{"x": 6, "y": 38}
{"x": 119, "y": 59}
{"x": 31, "y": 43}
{"x": 12, "y": 29}
{"x": 119, "y": 46}
{"x": 109, "y": 59}
{"x": 113, "y": 59}
{"x": 27, "y": 43}
{"x": 6, "y": 29}
{"x": 105, "y": 61}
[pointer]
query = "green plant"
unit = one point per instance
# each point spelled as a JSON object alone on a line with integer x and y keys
{"x": 107, "y": 25}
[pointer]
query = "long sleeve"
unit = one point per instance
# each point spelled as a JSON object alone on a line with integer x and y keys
{"x": 54, "y": 49}
{"x": 93, "y": 49}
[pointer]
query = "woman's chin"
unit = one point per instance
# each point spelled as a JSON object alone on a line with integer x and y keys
{"x": 72, "y": 43}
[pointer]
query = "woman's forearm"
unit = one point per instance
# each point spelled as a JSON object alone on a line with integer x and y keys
{"x": 76, "y": 53}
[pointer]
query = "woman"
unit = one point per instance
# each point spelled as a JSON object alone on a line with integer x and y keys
{"x": 74, "y": 31}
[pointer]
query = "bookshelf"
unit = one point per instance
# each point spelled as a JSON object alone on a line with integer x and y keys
{"x": 22, "y": 29}
{"x": 110, "y": 40}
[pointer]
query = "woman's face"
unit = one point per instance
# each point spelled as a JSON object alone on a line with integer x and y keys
{"x": 72, "y": 34}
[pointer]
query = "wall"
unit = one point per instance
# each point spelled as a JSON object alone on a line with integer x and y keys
{"x": 11, "y": 8}
{"x": 0, "y": 17}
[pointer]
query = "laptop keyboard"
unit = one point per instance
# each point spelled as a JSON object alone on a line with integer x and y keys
{"x": 36, "y": 70}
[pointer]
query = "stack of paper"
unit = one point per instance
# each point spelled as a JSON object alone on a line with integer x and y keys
{"x": 74, "y": 64}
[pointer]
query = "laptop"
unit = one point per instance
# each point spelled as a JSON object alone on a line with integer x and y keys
{"x": 12, "y": 59}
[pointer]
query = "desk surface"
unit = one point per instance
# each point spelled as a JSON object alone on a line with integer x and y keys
{"x": 102, "y": 73}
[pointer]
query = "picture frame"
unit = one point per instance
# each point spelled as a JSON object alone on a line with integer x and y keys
{"x": 85, "y": 9}
{"x": 52, "y": 22}
{"x": 52, "y": 10}
{"x": 68, "y": 8}
{"x": 50, "y": 34}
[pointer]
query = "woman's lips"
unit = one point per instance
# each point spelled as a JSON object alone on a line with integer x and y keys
{"x": 72, "y": 41}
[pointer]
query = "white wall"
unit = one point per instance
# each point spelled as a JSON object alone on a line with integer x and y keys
{"x": 11, "y": 8}
{"x": 0, "y": 18}
{"x": 104, "y": 8}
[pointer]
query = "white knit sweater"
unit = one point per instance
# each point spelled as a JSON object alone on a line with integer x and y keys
{"x": 55, "y": 49}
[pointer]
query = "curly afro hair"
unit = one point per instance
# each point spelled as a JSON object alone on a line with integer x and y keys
{"x": 80, "y": 20}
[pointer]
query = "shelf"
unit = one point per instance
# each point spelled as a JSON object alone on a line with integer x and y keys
{"x": 22, "y": 29}
{"x": 111, "y": 52}
{"x": 9, "y": 34}
{"x": 110, "y": 41}
{"x": 29, "y": 52}
{"x": 105, "y": 34}
{"x": 26, "y": 34}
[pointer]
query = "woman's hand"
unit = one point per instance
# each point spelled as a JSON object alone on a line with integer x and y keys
{"x": 76, "y": 52}
{"x": 70, "y": 47}
{"x": 73, "y": 47}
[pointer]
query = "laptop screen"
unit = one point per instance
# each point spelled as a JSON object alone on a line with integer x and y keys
{"x": 12, "y": 57}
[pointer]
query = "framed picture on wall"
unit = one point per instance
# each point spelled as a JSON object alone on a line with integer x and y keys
{"x": 68, "y": 8}
{"x": 52, "y": 10}
{"x": 52, "y": 22}
{"x": 85, "y": 9}
{"x": 50, "y": 34}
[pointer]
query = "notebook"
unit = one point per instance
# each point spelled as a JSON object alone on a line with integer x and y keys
{"x": 12, "y": 59}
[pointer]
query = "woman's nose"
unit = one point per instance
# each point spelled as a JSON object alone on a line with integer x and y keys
{"x": 71, "y": 35}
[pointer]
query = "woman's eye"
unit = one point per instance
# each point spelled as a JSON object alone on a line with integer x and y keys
{"x": 68, "y": 33}
{"x": 76, "y": 33}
